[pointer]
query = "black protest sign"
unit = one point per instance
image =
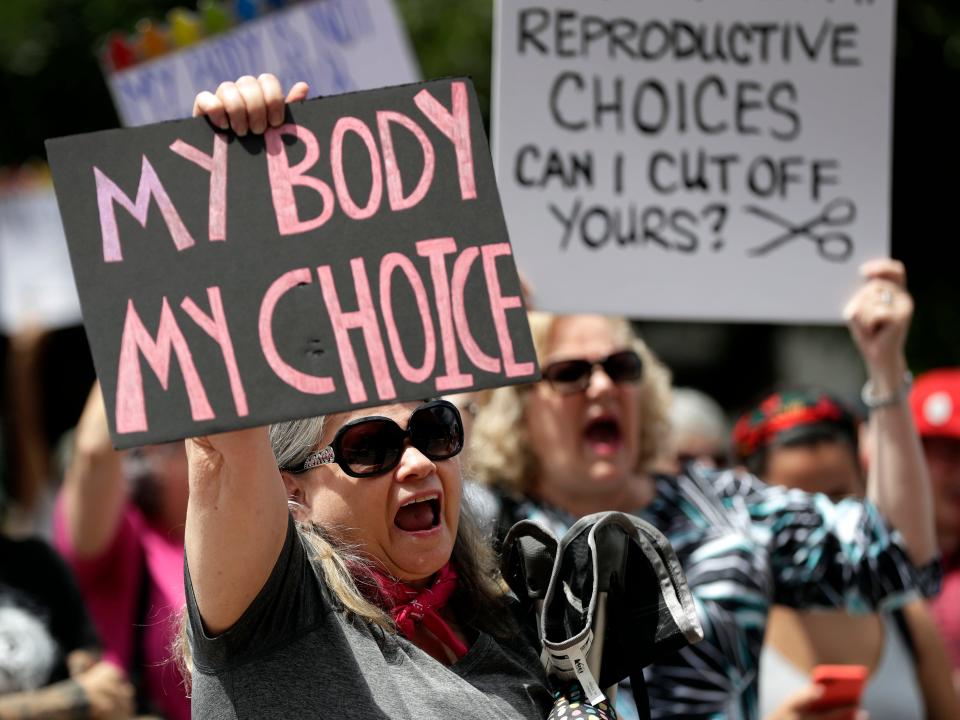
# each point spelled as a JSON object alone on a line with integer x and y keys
{"x": 355, "y": 256}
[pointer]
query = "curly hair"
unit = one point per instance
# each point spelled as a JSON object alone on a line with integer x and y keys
{"x": 501, "y": 453}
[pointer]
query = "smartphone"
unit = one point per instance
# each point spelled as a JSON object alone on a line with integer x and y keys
{"x": 842, "y": 685}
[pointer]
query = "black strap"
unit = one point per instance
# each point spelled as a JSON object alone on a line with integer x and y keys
{"x": 138, "y": 657}
{"x": 904, "y": 629}
{"x": 638, "y": 686}
{"x": 507, "y": 516}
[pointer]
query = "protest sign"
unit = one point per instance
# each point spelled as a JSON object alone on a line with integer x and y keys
{"x": 36, "y": 286}
{"x": 701, "y": 160}
{"x": 355, "y": 256}
{"x": 336, "y": 46}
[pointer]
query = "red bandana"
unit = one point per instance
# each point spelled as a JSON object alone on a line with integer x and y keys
{"x": 410, "y": 606}
{"x": 784, "y": 411}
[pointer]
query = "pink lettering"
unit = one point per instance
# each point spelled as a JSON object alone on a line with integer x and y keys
{"x": 150, "y": 186}
{"x": 461, "y": 269}
{"x": 216, "y": 328}
{"x": 312, "y": 384}
{"x": 391, "y": 262}
{"x": 364, "y": 317}
{"x": 283, "y": 178}
{"x": 352, "y": 210}
{"x": 131, "y": 415}
{"x": 435, "y": 250}
{"x": 216, "y": 165}
{"x": 394, "y": 177}
{"x": 456, "y": 126}
{"x": 499, "y": 305}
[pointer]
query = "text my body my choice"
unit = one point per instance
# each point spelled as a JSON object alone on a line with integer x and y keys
{"x": 447, "y": 298}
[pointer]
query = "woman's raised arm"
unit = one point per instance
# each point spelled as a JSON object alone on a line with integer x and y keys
{"x": 236, "y": 522}
{"x": 879, "y": 317}
{"x": 94, "y": 490}
{"x": 237, "y": 515}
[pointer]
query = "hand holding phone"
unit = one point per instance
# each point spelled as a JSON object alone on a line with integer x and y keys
{"x": 842, "y": 686}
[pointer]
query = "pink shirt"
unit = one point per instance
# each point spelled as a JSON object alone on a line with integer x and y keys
{"x": 946, "y": 609}
{"x": 111, "y": 586}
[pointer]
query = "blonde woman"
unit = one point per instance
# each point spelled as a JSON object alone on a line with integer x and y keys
{"x": 582, "y": 441}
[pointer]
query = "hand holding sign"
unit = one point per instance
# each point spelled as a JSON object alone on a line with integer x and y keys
{"x": 273, "y": 315}
{"x": 249, "y": 103}
{"x": 879, "y": 316}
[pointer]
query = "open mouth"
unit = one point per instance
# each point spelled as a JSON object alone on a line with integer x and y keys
{"x": 419, "y": 514}
{"x": 603, "y": 435}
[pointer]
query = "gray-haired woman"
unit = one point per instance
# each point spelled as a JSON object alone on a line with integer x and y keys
{"x": 348, "y": 583}
{"x": 288, "y": 612}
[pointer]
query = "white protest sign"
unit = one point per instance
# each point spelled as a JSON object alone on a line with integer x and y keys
{"x": 36, "y": 285}
{"x": 336, "y": 46}
{"x": 724, "y": 160}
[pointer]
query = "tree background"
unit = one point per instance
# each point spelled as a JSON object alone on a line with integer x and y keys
{"x": 51, "y": 85}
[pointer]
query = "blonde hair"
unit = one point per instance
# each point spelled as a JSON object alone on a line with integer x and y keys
{"x": 501, "y": 454}
{"x": 481, "y": 596}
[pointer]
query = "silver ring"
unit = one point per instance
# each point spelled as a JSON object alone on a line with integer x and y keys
{"x": 886, "y": 297}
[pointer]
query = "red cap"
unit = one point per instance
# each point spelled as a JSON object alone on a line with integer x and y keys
{"x": 935, "y": 403}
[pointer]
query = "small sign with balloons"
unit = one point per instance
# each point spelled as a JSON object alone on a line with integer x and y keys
{"x": 336, "y": 46}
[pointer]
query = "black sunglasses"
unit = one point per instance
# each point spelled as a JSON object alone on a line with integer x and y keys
{"x": 571, "y": 376}
{"x": 373, "y": 445}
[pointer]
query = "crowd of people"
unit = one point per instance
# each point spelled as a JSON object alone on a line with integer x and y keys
{"x": 347, "y": 565}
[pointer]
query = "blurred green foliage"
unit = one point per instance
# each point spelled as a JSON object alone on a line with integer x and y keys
{"x": 452, "y": 38}
{"x": 50, "y": 79}
{"x": 926, "y": 153}
{"x": 52, "y": 84}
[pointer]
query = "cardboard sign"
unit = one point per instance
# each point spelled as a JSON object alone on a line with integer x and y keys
{"x": 355, "y": 256}
{"x": 336, "y": 46}
{"x": 700, "y": 160}
{"x": 36, "y": 286}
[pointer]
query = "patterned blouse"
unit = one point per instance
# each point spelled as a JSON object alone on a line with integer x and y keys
{"x": 745, "y": 546}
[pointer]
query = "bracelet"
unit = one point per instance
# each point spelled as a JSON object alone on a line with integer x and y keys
{"x": 875, "y": 402}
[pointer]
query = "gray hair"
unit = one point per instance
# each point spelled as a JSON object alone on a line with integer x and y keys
{"x": 697, "y": 413}
{"x": 293, "y": 440}
{"x": 481, "y": 596}
{"x": 481, "y": 599}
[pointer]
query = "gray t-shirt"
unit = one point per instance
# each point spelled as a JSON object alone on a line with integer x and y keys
{"x": 292, "y": 655}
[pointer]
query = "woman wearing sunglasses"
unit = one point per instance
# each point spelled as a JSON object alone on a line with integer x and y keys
{"x": 373, "y": 597}
{"x": 583, "y": 441}
{"x": 584, "y": 436}
{"x": 332, "y": 570}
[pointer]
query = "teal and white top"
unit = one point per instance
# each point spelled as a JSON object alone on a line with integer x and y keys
{"x": 745, "y": 546}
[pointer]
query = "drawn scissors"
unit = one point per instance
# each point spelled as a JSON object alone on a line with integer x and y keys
{"x": 835, "y": 246}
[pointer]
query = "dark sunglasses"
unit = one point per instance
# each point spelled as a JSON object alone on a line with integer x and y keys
{"x": 571, "y": 376}
{"x": 373, "y": 445}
